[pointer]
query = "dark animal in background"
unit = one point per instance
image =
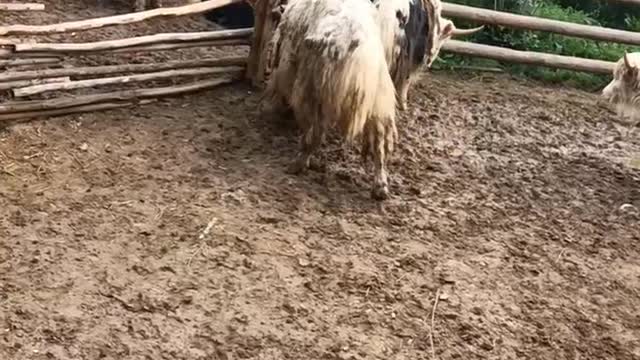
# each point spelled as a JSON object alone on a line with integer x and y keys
{"x": 232, "y": 16}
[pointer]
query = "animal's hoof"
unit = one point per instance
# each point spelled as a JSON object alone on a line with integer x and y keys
{"x": 297, "y": 168}
{"x": 402, "y": 105}
{"x": 380, "y": 192}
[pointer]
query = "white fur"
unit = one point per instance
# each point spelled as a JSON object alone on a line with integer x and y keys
{"x": 330, "y": 67}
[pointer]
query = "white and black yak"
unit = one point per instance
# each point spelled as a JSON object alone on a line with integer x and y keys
{"x": 339, "y": 62}
{"x": 329, "y": 66}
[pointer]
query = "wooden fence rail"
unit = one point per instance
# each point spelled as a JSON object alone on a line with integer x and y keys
{"x": 82, "y": 25}
{"x": 491, "y": 17}
{"x": 21, "y": 7}
{"x": 528, "y": 57}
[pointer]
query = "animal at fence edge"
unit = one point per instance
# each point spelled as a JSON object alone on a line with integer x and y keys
{"x": 331, "y": 68}
{"x": 416, "y": 43}
{"x": 624, "y": 89}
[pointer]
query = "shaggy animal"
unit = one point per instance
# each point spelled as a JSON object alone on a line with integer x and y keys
{"x": 417, "y": 41}
{"x": 329, "y": 66}
{"x": 624, "y": 90}
{"x": 326, "y": 59}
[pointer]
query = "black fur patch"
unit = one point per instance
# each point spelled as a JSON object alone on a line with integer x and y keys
{"x": 416, "y": 31}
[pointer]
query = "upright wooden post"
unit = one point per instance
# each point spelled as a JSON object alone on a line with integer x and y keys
{"x": 264, "y": 26}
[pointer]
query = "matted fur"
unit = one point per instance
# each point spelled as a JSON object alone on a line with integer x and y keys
{"x": 331, "y": 59}
{"x": 624, "y": 90}
{"x": 329, "y": 65}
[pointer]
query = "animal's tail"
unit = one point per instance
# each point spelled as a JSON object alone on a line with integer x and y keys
{"x": 349, "y": 91}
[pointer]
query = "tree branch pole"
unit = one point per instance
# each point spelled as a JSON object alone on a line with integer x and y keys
{"x": 135, "y": 41}
{"x": 21, "y": 7}
{"x": 491, "y": 17}
{"x": 184, "y": 45}
{"x": 31, "y": 82}
{"x": 120, "y": 69}
{"x": 7, "y": 53}
{"x": 528, "y": 57}
{"x": 82, "y": 25}
{"x": 71, "y": 85}
{"x": 73, "y": 110}
{"x": 121, "y": 95}
{"x": 29, "y": 61}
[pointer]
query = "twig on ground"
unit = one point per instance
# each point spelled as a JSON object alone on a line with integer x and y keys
{"x": 201, "y": 236}
{"x": 433, "y": 317}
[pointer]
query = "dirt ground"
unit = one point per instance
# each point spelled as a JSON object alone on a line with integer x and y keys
{"x": 171, "y": 230}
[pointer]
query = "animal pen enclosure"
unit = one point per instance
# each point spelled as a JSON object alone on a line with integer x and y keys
{"x": 170, "y": 230}
{"x": 23, "y": 84}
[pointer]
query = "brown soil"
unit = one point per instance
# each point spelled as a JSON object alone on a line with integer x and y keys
{"x": 171, "y": 230}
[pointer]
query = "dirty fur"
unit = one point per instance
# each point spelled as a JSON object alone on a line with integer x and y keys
{"x": 416, "y": 43}
{"x": 329, "y": 65}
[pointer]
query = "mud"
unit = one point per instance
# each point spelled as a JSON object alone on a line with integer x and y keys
{"x": 171, "y": 230}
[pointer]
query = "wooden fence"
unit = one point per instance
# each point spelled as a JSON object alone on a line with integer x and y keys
{"x": 16, "y": 57}
{"x": 497, "y": 18}
{"x": 32, "y": 69}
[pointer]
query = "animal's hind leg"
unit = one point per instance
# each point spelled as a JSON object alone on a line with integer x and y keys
{"x": 274, "y": 103}
{"x": 403, "y": 94}
{"x": 275, "y": 108}
{"x": 309, "y": 143}
{"x": 379, "y": 142}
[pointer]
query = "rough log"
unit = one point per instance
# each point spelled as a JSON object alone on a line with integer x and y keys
{"x": 29, "y": 61}
{"x": 22, "y": 83}
{"x": 491, "y": 17}
{"x": 528, "y": 57}
{"x": 38, "y": 89}
{"x": 163, "y": 47}
{"x": 120, "y": 69}
{"x": 266, "y": 20}
{"x": 122, "y": 95}
{"x": 72, "y": 110}
{"x": 192, "y": 9}
{"x": 6, "y": 53}
{"x": 21, "y": 7}
{"x": 135, "y": 41}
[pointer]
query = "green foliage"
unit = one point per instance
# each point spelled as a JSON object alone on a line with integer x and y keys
{"x": 589, "y": 12}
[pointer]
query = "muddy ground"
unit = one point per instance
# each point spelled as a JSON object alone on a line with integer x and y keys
{"x": 171, "y": 230}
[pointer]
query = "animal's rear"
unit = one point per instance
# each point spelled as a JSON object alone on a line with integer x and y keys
{"x": 341, "y": 68}
{"x": 330, "y": 67}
